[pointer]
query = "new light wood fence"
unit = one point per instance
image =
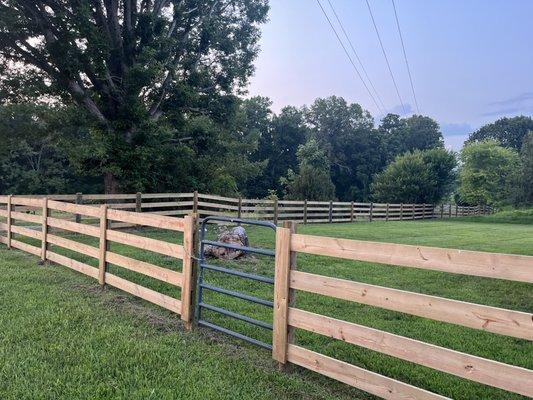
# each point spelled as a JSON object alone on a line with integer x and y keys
{"x": 303, "y": 211}
{"x": 47, "y": 216}
{"x": 491, "y": 319}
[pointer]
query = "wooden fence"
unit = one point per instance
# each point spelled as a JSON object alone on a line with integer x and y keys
{"x": 44, "y": 208}
{"x": 303, "y": 211}
{"x": 287, "y": 317}
{"x": 491, "y": 319}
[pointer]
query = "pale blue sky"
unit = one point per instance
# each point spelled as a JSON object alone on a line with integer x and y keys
{"x": 471, "y": 60}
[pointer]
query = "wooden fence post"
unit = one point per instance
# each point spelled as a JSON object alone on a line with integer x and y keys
{"x": 44, "y": 229}
{"x": 413, "y": 209}
{"x": 371, "y": 212}
{"x": 352, "y": 210}
{"x": 195, "y": 202}
{"x": 79, "y": 200}
{"x": 424, "y": 211}
{"x": 187, "y": 271}
{"x": 239, "y": 211}
{"x": 293, "y": 226}
{"x": 281, "y": 295}
{"x": 387, "y": 213}
{"x": 401, "y": 211}
{"x": 305, "y": 211}
{"x": 9, "y": 222}
{"x": 276, "y": 211}
{"x": 138, "y": 202}
{"x": 330, "y": 212}
{"x": 102, "y": 263}
{"x": 450, "y": 210}
{"x": 456, "y": 211}
{"x": 441, "y": 211}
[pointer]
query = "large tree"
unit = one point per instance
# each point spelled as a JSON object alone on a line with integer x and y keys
{"x": 510, "y": 132}
{"x": 355, "y": 150}
{"x": 417, "y": 177}
{"x": 526, "y": 192}
{"x": 409, "y": 134}
{"x": 32, "y": 158}
{"x": 313, "y": 180}
{"x": 279, "y": 138}
{"x": 489, "y": 174}
{"x": 140, "y": 69}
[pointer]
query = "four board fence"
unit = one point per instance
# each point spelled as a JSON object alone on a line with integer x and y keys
{"x": 491, "y": 319}
{"x": 303, "y": 211}
{"x": 52, "y": 216}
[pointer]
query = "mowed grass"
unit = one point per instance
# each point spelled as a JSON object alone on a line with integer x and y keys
{"x": 67, "y": 339}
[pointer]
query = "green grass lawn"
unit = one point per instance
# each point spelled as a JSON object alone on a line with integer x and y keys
{"x": 62, "y": 337}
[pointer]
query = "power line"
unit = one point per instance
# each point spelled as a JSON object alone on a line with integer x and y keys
{"x": 349, "y": 57}
{"x": 356, "y": 55}
{"x": 386, "y": 58}
{"x": 405, "y": 56}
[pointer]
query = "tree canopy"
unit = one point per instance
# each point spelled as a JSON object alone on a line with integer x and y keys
{"x": 510, "y": 132}
{"x": 140, "y": 70}
{"x": 489, "y": 173}
{"x": 526, "y": 177}
{"x": 416, "y": 177}
{"x": 313, "y": 180}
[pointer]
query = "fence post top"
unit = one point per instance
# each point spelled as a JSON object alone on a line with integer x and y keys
{"x": 289, "y": 224}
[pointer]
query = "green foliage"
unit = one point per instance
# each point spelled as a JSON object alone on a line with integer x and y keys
{"x": 417, "y": 177}
{"x": 526, "y": 177}
{"x": 510, "y": 132}
{"x": 140, "y": 71}
{"x": 522, "y": 216}
{"x": 279, "y": 137}
{"x": 345, "y": 131}
{"x": 409, "y": 134}
{"x": 489, "y": 173}
{"x": 32, "y": 159}
{"x": 313, "y": 181}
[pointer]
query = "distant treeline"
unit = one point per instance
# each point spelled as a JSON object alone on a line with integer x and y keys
{"x": 330, "y": 149}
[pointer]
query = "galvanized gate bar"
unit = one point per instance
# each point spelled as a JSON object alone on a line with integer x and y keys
{"x": 235, "y": 334}
{"x": 245, "y": 249}
{"x": 259, "y": 278}
{"x": 240, "y": 317}
{"x": 241, "y": 274}
{"x": 238, "y": 295}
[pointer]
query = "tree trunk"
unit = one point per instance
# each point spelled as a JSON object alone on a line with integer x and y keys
{"x": 110, "y": 183}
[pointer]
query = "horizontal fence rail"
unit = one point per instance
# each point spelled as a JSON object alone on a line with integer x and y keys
{"x": 302, "y": 211}
{"x": 45, "y": 214}
{"x": 490, "y": 319}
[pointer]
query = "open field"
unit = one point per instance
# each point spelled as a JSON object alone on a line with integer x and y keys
{"x": 66, "y": 339}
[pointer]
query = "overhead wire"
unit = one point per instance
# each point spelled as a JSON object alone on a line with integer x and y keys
{"x": 386, "y": 58}
{"x": 349, "y": 57}
{"x": 356, "y": 55}
{"x": 405, "y": 56}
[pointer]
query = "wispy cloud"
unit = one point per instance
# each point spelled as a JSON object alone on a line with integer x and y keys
{"x": 398, "y": 109}
{"x": 521, "y": 104}
{"x": 514, "y": 100}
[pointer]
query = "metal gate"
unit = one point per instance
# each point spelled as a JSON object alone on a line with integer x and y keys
{"x": 204, "y": 265}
